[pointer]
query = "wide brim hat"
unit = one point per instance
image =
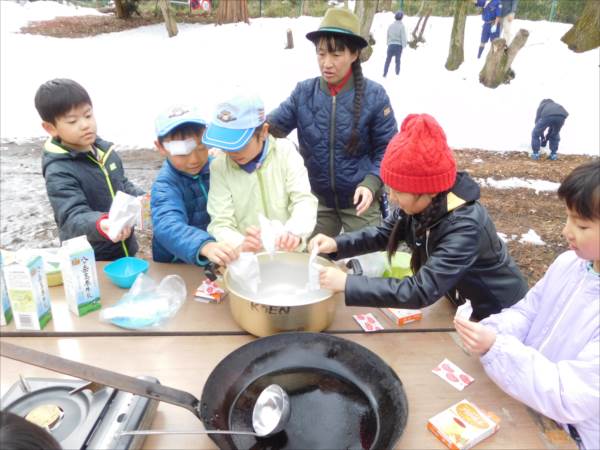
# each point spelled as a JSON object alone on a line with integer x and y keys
{"x": 339, "y": 21}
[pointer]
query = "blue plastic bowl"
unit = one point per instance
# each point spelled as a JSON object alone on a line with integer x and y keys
{"x": 124, "y": 271}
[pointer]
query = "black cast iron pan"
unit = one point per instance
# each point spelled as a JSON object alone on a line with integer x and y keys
{"x": 342, "y": 394}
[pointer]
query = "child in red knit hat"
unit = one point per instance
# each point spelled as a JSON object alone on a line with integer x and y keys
{"x": 455, "y": 248}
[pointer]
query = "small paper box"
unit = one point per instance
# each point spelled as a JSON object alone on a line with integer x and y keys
{"x": 462, "y": 426}
{"x": 209, "y": 292}
{"x": 402, "y": 316}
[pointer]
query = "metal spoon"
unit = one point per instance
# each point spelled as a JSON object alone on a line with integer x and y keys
{"x": 270, "y": 415}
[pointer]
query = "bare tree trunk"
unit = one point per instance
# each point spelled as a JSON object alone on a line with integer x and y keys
{"x": 456, "y": 54}
{"x": 584, "y": 35}
{"x": 232, "y": 11}
{"x": 499, "y": 59}
{"x": 416, "y": 39}
{"x": 289, "y": 39}
{"x": 170, "y": 22}
{"x": 305, "y": 7}
{"x": 365, "y": 10}
{"x": 385, "y": 5}
{"x": 120, "y": 10}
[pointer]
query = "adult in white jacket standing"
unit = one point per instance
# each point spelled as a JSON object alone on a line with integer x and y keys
{"x": 396, "y": 41}
{"x": 545, "y": 349}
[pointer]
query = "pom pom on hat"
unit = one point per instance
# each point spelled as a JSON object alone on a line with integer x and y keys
{"x": 417, "y": 159}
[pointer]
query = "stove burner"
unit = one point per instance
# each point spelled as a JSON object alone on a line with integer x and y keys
{"x": 80, "y": 419}
{"x": 46, "y": 416}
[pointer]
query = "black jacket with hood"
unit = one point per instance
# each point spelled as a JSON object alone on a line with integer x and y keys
{"x": 81, "y": 189}
{"x": 461, "y": 252}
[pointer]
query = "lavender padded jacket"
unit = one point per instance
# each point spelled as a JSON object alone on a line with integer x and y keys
{"x": 547, "y": 348}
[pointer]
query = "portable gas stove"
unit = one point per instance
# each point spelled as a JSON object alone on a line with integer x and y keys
{"x": 82, "y": 415}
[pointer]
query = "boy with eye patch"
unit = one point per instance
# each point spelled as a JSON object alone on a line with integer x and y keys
{"x": 180, "y": 193}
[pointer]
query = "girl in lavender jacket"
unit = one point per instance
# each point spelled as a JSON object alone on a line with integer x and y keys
{"x": 544, "y": 350}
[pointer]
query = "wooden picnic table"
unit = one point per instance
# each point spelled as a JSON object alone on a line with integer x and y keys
{"x": 185, "y": 362}
{"x": 195, "y": 318}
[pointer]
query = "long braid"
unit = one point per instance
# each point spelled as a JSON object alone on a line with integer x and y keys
{"x": 359, "y": 87}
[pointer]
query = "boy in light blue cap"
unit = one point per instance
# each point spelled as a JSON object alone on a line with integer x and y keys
{"x": 256, "y": 174}
{"x": 180, "y": 193}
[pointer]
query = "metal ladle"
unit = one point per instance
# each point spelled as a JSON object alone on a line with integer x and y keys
{"x": 270, "y": 414}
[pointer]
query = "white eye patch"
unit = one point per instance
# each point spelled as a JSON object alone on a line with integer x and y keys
{"x": 181, "y": 148}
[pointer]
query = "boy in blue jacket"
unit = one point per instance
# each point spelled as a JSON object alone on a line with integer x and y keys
{"x": 180, "y": 193}
{"x": 491, "y": 14}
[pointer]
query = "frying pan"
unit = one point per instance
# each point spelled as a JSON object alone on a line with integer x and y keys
{"x": 342, "y": 395}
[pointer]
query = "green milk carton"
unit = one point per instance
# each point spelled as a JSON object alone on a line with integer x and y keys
{"x": 27, "y": 289}
{"x": 78, "y": 267}
{"x": 5, "y": 309}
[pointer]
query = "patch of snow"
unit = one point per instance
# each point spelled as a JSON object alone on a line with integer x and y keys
{"x": 514, "y": 182}
{"x": 477, "y": 161}
{"x": 130, "y": 78}
{"x": 531, "y": 237}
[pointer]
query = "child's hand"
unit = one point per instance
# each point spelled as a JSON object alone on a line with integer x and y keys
{"x": 220, "y": 253}
{"x": 332, "y": 278}
{"x": 476, "y": 337}
{"x": 252, "y": 242}
{"x": 287, "y": 242}
{"x": 325, "y": 244}
{"x": 124, "y": 234}
{"x": 363, "y": 197}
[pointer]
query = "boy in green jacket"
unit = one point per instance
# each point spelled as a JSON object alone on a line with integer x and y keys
{"x": 256, "y": 174}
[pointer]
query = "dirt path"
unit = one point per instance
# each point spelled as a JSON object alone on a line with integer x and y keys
{"x": 27, "y": 219}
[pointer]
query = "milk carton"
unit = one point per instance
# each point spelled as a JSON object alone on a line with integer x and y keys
{"x": 78, "y": 267}
{"x": 27, "y": 289}
{"x": 5, "y": 309}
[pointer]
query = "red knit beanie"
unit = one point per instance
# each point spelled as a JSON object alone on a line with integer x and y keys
{"x": 418, "y": 160}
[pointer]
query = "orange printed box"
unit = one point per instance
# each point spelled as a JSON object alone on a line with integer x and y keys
{"x": 462, "y": 426}
{"x": 403, "y": 316}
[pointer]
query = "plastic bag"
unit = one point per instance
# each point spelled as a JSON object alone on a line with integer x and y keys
{"x": 464, "y": 311}
{"x": 246, "y": 271}
{"x": 147, "y": 304}
{"x": 124, "y": 212}
{"x": 313, "y": 270}
{"x": 270, "y": 230}
{"x": 373, "y": 264}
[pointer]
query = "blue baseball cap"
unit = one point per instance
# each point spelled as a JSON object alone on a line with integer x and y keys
{"x": 175, "y": 116}
{"x": 234, "y": 123}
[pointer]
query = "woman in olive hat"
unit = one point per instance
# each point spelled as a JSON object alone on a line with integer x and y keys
{"x": 344, "y": 123}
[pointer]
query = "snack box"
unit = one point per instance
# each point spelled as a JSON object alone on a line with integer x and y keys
{"x": 78, "y": 267}
{"x": 27, "y": 289}
{"x": 5, "y": 309}
{"x": 403, "y": 316}
{"x": 462, "y": 426}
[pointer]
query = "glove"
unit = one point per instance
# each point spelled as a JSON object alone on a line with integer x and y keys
{"x": 493, "y": 29}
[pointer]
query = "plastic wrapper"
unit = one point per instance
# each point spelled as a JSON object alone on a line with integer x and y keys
{"x": 124, "y": 212}
{"x": 464, "y": 311}
{"x": 246, "y": 271}
{"x": 313, "y": 271}
{"x": 270, "y": 230}
{"x": 147, "y": 304}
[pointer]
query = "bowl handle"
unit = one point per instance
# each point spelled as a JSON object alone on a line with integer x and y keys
{"x": 355, "y": 266}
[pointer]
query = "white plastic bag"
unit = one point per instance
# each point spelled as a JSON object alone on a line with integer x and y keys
{"x": 314, "y": 283}
{"x": 246, "y": 271}
{"x": 464, "y": 311}
{"x": 147, "y": 304}
{"x": 270, "y": 230}
{"x": 124, "y": 212}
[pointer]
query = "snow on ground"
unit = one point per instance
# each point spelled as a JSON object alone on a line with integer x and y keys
{"x": 132, "y": 75}
{"x": 514, "y": 182}
{"x": 531, "y": 237}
